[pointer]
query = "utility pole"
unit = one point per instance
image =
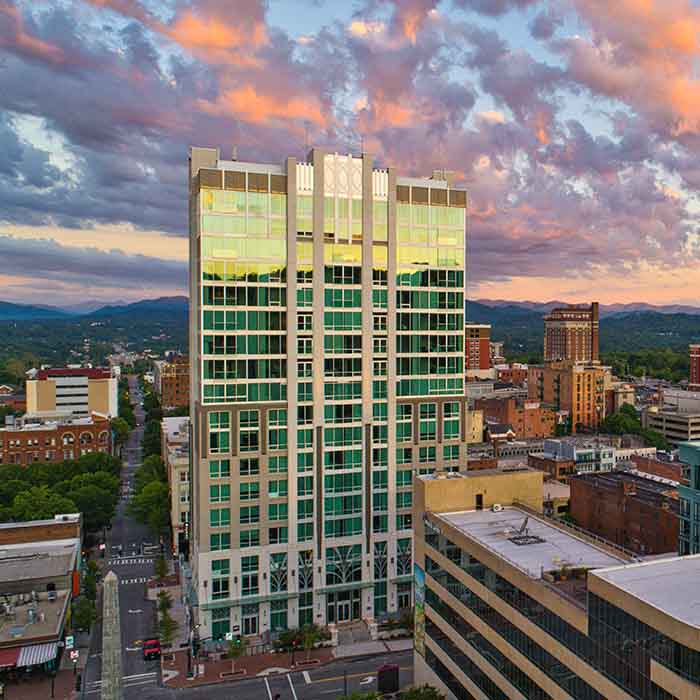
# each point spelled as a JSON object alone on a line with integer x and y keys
{"x": 111, "y": 640}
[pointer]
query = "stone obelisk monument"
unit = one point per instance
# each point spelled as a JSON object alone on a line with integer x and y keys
{"x": 111, "y": 640}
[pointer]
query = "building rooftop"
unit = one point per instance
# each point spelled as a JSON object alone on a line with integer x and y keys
{"x": 668, "y": 584}
{"x": 27, "y": 562}
{"x": 176, "y": 428}
{"x": 62, "y": 518}
{"x": 89, "y": 372}
{"x": 50, "y": 421}
{"x": 19, "y": 626}
{"x": 546, "y": 547}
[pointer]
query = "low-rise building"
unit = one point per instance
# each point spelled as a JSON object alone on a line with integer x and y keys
{"x": 496, "y": 353}
{"x": 560, "y": 458}
{"x": 28, "y": 440}
{"x": 510, "y": 604}
{"x": 694, "y": 376}
{"x": 676, "y": 425}
{"x": 556, "y": 498}
{"x": 635, "y": 510}
{"x": 666, "y": 468}
{"x": 529, "y": 419}
{"x": 79, "y": 391}
{"x": 39, "y": 576}
{"x": 175, "y": 448}
{"x": 171, "y": 381}
{"x": 617, "y": 395}
{"x": 514, "y": 373}
{"x": 477, "y": 360}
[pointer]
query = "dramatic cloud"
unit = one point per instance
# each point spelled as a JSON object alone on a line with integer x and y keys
{"x": 579, "y": 147}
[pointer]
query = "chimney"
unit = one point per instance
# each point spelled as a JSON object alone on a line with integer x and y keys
{"x": 234, "y": 153}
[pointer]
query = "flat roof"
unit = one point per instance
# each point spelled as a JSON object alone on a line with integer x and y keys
{"x": 29, "y": 562}
{"x": 670, "y": 585}
{"x": 494, "y": 532}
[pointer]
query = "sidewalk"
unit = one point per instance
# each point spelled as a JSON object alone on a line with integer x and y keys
{"x": 208, "y": 672}
{"x": 345, "y": 651}
{"x": 40, "y": 689}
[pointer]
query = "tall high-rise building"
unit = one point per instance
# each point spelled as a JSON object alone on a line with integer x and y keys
{"x": 327, "y": 365}
{"x": 694, "y": 352}
{"x": 571, "y": 333}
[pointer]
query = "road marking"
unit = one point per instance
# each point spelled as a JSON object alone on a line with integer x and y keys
{"x": 307, "y": 677}
{"x": 267, "y": 686}
{"x": 141, "y": 675}
{"x": 135, "y": 612}
{"x": 291, "y": 685}
{"x": 133, "y": 648}
{"x": 332, "y": 690}
{"x": 367, "y": 680}
{"x": 352, "y": 675}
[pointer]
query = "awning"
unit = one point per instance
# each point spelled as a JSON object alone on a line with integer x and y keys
{"x": 8, "y": 657}
{"x": 37, "y": 654}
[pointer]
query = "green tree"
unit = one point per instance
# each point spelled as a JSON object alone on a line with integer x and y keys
{"x": 311, "y": 635}
{"x": 236, "y": 649}
{"x": 40, "y": 503}
{"x": 362, "y": 695}
{"x": 422, "y": 692}
{"x": 90, "y": 587}
{"x": 96, "y": 505}
{"x": 167, "y": 628}
{"x": 161, "y": 569}
{"x": 151, "y": 438}
{"x": 152, "y": 469}
{"x": 84, "y": 614}
{"x": 121, "y": 430}
{"x": 152, "y": 507}
{"x": 165, "y": 602}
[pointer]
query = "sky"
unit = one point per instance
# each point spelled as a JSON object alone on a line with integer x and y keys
{"x": 574, "y": 125}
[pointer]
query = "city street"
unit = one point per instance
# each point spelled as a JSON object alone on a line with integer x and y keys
{"x": 325, "y": 683}
{"x": 133, "y": 570}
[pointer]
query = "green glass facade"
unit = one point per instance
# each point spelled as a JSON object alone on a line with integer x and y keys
{"x": 327, "y": 339}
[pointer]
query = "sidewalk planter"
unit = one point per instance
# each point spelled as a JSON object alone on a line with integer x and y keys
{"x": 306, "y": 662}
{"x": 233, "y": 674}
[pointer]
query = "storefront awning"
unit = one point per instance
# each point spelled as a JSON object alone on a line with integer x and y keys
{"x": 37, "y": 654}
{"x": 8, "y": 657}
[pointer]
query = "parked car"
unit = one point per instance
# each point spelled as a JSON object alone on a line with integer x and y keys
{"x": 151, "y": 649}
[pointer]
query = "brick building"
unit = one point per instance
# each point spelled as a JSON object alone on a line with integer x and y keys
{"x": 171, "y": 380}
{"x": 515, "y": 374}
{"x": 571, "y": 333}
{"x": 54, "y": 440}
{"x": 657, "y": 467}
{"x": 477, "y": 338}
{"x": 575, "y": 387}
{"x": 636, "y": 511}
{"x": 529, "y": 419}
{"x": 557, "y": 468}
{"x": 694, "y": 383}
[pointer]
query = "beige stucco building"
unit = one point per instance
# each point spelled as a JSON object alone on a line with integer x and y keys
{"x": 79, "y": 391}
{"x": 175, "y": 448}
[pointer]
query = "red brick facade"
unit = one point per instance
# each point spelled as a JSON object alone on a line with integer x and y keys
{"x": 694, "y": 352}
{"x": 513, "y": 375}
{"x": 477, "y": 346}
{"x": 557, "y": 469}
{"x": 529, "y": 419}
{"x": 627, "y": 511}
{"x": 54, "y": 442}
{"x": 666, "y": 470}
{"x": 175, "y": 383}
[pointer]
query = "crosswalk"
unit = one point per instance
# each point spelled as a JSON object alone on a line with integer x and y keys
{"x": 127, "y": 682}
{"x": 120, "y": 561}
{"x": 129, "y": 581}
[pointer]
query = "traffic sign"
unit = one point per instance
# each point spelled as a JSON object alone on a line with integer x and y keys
{"x": 70, "y": 642}
{"x": 228, "y": 636}
{"x": 74, "y": 656}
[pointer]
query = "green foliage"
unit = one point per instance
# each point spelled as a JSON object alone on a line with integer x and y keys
{"x": 121, "y": 429}
{"x": 661, "y": 363}
{"x": 305, "y": 638}
{"x": 151, "y": 406}
{"x": 236, "y": 649}
{"x": 151, "y": 438}
{"x": 422, "y": 692}
{"x": 40, "y": 503}
{"x": 626, "y": 420}
{"x": 165, "y": 602}
{"x": 84, "y": 614}
{"x": 167, "y": 628}
{"x": 151, "y": 506}
{"x": 361, "y": 695}
{"x": 161, "y": 570}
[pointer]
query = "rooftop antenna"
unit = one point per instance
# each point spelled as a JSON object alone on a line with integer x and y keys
{"x": 306, "y": 137}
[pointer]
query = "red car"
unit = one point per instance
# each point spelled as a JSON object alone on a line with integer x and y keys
{"x": 151, "y": 649}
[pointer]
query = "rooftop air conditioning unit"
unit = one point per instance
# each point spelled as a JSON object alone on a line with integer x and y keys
{"x": 496, "y": 507}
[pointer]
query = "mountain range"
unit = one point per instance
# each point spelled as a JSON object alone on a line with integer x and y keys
{"x": 25, "y": 312}
{"x": 605, "y": 309}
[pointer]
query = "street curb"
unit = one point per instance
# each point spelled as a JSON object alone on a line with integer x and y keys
{"x": 221, "y": 681}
